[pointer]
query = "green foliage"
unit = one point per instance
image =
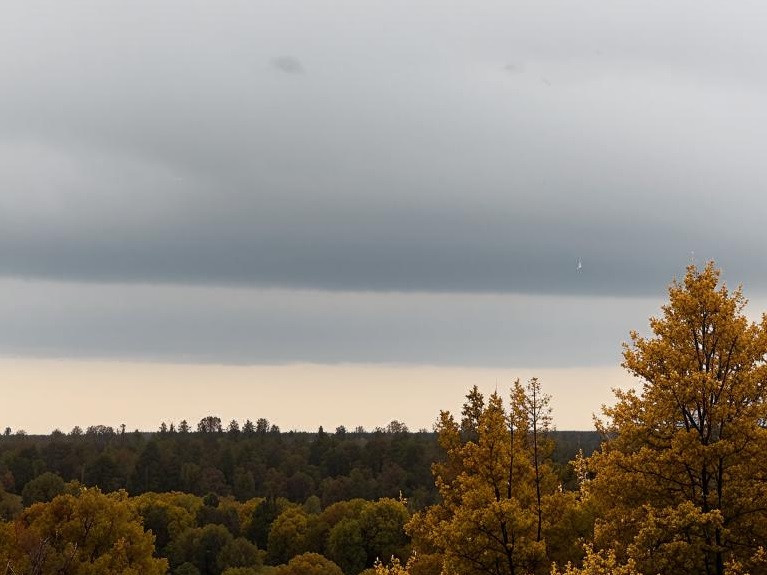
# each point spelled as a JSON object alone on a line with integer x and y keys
{"x": 310, "y": 564}
{"x": 257, "y": 463}
{"x": 167, "y": 515}
{"x": 42, "y": 488}
{"x": 382, "y": 526}
{"x": 261, "y": 519}
{"x": 346, "y": 546}
{"x": 10, "y": 505}
{"x": 288, "y": 536}
{"x": 313, "y": 505}
{"x": 243, "y": 571}
{"x": 201, "y": 547}
{"x": 239, "y": 553}
{"x": 186, "y": 569}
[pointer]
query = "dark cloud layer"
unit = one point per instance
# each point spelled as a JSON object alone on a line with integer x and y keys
{"x": 246, "y": 326}
{"x": 180, "y": 142}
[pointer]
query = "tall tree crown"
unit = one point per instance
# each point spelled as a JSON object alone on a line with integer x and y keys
{"x": 680, "y": 485}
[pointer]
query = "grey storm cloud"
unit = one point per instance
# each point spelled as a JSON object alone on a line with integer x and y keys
{"x": 185, "y": 324}
{"x": 434, "y": 147}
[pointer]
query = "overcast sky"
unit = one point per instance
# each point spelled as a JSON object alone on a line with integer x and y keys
{"x": 369, "y": 183}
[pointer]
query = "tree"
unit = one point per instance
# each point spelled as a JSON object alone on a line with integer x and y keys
{"x": 149, "y": 474}
{"x": 346, "y": 547}
{"x": 261, "y": 520}
{"x": 84, "y": 534}
{"x": 239, "y": 553}
{"x": 104, "y": 472}
{"x": 533, "y": 416}
{"x": 395, "y": 426}
{"x": 201, "y": 547}
{"x": 262, "y": 425}
{"x": 472, "y": 410}
{"x": 680, "y": 482}
{"x": 167, "y": 515}
{"x": 42, "y": 488}
{"x": 10, "y": 505}
{"x": 243, "y": 484}
{"x": 497, "y": 484}
{"x": 100, "y": 430}
{"x": 313, "y": 505}
{"x": 288, "y": 536}
{"x": 210, "y": 424}
{"x": 382, "y": 526}
{"x": 310, "y": 564}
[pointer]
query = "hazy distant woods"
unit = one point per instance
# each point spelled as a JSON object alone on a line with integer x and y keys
{"x": 255, "y": 460}
{"x": 674, "y": 480}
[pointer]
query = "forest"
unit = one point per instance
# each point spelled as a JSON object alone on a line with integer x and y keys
{"x": 672, "y": 480}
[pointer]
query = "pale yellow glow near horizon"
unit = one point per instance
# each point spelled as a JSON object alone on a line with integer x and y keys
{"x": 41, "y": 395}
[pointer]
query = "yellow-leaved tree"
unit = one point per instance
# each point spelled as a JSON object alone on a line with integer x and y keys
{"x": 680, "y": 485}
{"x": 86, "y": 533}
{"x": 500, "y": 496}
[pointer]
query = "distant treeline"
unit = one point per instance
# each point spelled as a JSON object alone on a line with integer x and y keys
{"x": 248, "y": 460}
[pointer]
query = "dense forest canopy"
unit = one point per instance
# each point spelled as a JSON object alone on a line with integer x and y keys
{"x": 672, "y": 481}
{"x": 255, "y": 460}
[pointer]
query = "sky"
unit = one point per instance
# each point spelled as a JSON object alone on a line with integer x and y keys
{"x": 364, "y": 208}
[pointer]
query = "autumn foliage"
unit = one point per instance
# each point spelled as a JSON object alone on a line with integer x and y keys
{"x": 500, "y": 495}
{"x": 680, "y": 483}
{"x": 83, "y": 533}
{"x": 678, "y": 486}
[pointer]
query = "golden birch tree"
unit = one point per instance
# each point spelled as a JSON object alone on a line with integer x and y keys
{"x": 496, "y": 484}
{"x": 680, "y": 485}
